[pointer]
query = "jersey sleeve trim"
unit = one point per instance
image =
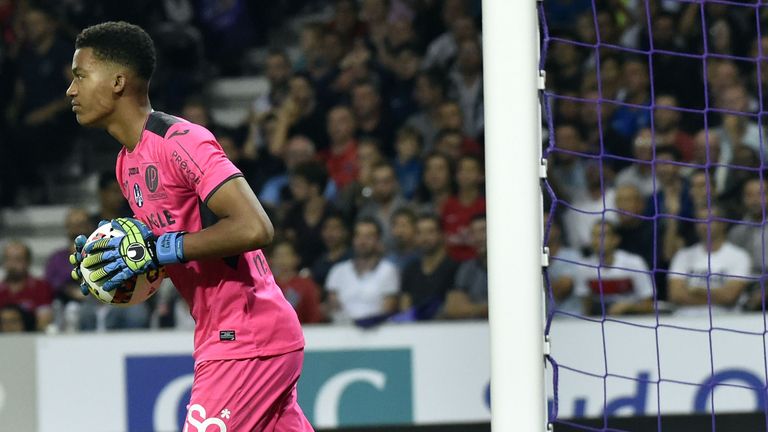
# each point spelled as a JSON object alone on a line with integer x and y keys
{"x": 213, "y": 191}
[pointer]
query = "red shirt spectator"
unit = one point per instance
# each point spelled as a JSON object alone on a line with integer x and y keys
{"x": 342, "y": 166}
{"x": 304, "y": 294}
{"x": 300, "y": 291}
{"x": 459, "y": 210}
{"x": 456, "y": 218}
{"x": 33, "y": 294}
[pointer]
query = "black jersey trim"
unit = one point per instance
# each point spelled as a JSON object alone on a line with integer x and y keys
{"x": 210, "y": 194}
{"x": 208, "y": 218}
{"x": 159, "y": 123}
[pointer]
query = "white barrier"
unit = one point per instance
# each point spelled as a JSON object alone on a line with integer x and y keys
{"x": 396, "y": 374}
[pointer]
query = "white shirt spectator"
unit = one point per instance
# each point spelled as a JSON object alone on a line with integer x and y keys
{"x": 562, "y": 265}
{"x": 362, "y": 295}
{"x": 578, "y": 224}
{"x": 696, "y": 262}
{"x": 631, "y": 175}
{"x": 627, "y": 279}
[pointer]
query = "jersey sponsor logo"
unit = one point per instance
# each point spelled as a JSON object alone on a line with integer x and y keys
{"x": 151, "y": 178}
{"x": 159, "y": 219}
{"x": 227, "y": 335}
{"x": 178, "y": 133}
{"x": 132, "y": 171}
{"x": 137, "y": 196}
{"x": 186, "y": 168}
{"x": 198, "y": 410}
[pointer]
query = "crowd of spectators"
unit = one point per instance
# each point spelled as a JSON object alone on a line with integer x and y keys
{"x": 656, "y": 154}
{"x": 366, "y": 151}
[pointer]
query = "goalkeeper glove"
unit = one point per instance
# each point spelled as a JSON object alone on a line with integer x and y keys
{"x": 119, "y": 259}
{"x": 75, "y": 259}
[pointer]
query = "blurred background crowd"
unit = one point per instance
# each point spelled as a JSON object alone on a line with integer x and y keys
{"x": 656, "y": 155}
{"x": 357, "y": 123}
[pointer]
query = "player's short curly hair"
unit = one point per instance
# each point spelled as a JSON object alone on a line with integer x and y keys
{"x": 121, "y": 43}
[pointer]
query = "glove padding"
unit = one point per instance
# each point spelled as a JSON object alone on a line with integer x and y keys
{"x": 119, "y": 259}
{"x": 75, "y": 259}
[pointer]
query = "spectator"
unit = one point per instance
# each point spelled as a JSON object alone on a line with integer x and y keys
{"x": 371, "y": 118}
{"x": 365, "y": 286}
{"x": 345, "y": 21}
{"x": 437, "y": 183}
{"x": 579, "y": 219}
{"x": 666, "y": 121}
{"x": 300, "y": 290}
{"x": 460, "y": 209}
{"x": 426, "y": 281}
{"x": 568, "y": 174}
{"x": 442, "y": 52}
{"x": 628, "y": 120}
{"x": 613, "y": 281}
{"x": 706, "y": 150}
{"x": 278, "y": 72}
{"x": 385, "y": 199}
{"x": 748, "y": 234}
{"x": 299, "y": 114}
{"x": 467, "y": 85}
{"x": 468, "y": 298}
{"x": 298, "y": 150}
{"x": 303, "y": 221}
{"x": 112, "y": 203}
{"x": 341, "y": 156}
{"x": 737, "y": 130}
{"x": 195, "y": 109}
{"x": 403, "y": 227}
{"x": 449, "y": 142}
{"x": 405, "y": 67}
{"x": 640, "y": 173}
{"x": 429, "y": 94}
{"x": 671, "y": 196}
{"x": 356, "y": 194}
{"x": 58, "y": 268}
{"x": 709, "y": 277}
{"x": 563, "y": 267}
{"x": 599, "y": 136}
{"x": 39, "y": 108}
{"x": 335, "y": 235}
{"x": 408, "y": 164}
{"x": 19, "y": 287}
{"x": 15, "y": 319}
{"x": 450, "y": 116}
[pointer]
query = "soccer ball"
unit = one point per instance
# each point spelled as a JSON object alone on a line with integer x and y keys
{"x": 135, "y": 290}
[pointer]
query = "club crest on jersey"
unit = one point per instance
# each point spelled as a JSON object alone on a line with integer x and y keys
{"x": 151, "y": 178}
{"x": 137, "y": 196}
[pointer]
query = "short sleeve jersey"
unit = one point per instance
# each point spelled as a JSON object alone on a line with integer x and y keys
{"x": 168, "y": 178}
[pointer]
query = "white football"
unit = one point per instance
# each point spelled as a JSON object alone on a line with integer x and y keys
{"x": 135, "y": 290}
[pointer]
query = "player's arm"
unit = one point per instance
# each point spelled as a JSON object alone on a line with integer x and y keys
{"x": 727, "y": 295}
{"x": 243, "y": 224}
{"x": 679, "y": 293}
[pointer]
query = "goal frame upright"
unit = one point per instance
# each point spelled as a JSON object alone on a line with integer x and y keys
{"x": 514, "y": 214}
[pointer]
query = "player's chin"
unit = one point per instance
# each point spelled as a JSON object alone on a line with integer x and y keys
{"x": 84, "y": 120}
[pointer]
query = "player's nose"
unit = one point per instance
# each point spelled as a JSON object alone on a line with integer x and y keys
{"x": 71, "y": 90}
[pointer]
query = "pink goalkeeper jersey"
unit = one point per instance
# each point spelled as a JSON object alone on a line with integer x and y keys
{"x": 239, "y": 310}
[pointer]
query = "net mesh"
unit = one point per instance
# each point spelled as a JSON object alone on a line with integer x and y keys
{"x": 655, "y": 207}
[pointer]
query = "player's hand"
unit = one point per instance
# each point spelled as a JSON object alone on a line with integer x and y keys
{"x": 75, "y": 259}
{"x": 119, "y": 259}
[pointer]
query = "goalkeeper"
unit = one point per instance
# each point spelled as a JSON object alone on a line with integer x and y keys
{"x": 196, "y": 215}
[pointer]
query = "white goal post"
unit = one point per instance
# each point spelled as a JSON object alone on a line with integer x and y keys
{"x": 513, "y": 152}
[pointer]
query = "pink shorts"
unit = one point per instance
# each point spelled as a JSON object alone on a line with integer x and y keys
{"x": 248, "y": 395}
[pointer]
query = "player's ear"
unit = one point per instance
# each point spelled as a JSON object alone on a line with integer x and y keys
{"x": 118, "y": 82}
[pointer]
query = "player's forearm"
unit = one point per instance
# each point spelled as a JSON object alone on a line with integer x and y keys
{"x": 227, "y": 237}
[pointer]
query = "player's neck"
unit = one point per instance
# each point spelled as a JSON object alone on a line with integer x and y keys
{"x": 129, "y": 124}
